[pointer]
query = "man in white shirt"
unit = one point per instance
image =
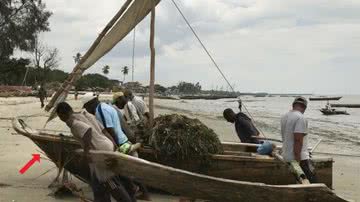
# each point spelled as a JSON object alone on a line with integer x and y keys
{"x": 139, "y": 104}
{"x": 294, "y": 132}
{"x": 92, "y": 135}
{"x": 130, "y": 112}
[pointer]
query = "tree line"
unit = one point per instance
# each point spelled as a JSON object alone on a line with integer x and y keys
{"x": 21, "y": 22}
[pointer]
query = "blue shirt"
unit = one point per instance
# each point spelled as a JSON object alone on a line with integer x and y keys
{"x": 111, "y": 120}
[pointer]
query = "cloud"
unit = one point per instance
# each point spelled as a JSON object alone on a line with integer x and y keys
{"x": 276, "y": 46}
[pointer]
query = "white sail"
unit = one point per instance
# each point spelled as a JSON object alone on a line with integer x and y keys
{"x": 135, "y": 13}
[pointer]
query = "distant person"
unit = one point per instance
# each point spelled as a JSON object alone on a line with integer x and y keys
{"x": 328, "y": 107}
{"x": 139, "y": 104}
{"x": 244, "y": 126}
{"x": 294, "y": 132}
{"x": 76, "y": 94}
{"x": 42, "y": 95}
{"x": 89, "y": 132}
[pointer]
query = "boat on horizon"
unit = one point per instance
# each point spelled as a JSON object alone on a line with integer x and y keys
{"x": 324, "y": 98}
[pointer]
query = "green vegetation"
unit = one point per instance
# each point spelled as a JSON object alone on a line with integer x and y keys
{"x": 177, "y": 139}
{"x": 93, "y": 81}
{"x": 21, "y": 21}
{"x": 125, "y": 71}
{"x": 189, "y": 88}
{"x": 106, "y": 69}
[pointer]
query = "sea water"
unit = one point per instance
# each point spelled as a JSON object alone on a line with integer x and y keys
{"x": 339, "y": 133}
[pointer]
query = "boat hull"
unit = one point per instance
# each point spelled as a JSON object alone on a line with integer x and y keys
{"x": 324, "y": 98}
{"x": 200, "y": 186}
{"x": 333, "y": 112}
{"x": 62, "y": 151}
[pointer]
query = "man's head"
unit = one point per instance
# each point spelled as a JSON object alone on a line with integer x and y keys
{"x": 64, "y": 111}
{"x": 128, "y": 94}
{"x": 300, "y": 104}
{"x": 229, "y": 115}
{"x": 91, "y": 104}
{"x": 119, "y": 100}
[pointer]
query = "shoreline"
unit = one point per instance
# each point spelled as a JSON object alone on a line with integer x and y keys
{"x": 15, "y": 150}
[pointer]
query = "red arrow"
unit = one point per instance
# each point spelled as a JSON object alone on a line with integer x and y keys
{"x": 36, "y": 157}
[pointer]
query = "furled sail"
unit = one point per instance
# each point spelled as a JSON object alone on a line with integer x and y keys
{"x": 134, "y": 14}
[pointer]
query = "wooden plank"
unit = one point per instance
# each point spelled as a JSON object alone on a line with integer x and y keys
{"x": 206, "y": 187}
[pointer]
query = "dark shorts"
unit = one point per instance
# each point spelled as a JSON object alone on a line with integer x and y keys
{"x": 99, "y": 190}
{"x": 309, "y": 170}
{"x": 120, "y": 188}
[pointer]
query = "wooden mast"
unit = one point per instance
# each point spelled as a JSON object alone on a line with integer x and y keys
{"x": 152, "y": 65}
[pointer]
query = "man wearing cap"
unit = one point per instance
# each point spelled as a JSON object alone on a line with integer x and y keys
{"x": 90, "y": 133}
{"x": 294, "y": 132}
{"x": 130, "y": 111}
{"x": 125, "y": 127}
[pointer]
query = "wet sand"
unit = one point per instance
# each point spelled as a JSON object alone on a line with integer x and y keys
{"x": 16, "y": 150}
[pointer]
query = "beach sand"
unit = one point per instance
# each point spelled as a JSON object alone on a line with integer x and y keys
{"x": 16, "y": 150}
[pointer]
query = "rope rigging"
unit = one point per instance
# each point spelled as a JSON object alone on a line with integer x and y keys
{"x": 212, "y": 59}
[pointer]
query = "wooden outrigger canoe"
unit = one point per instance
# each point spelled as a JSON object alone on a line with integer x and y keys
{"x": 220, "y": 179}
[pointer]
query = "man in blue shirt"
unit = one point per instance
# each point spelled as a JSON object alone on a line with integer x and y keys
{"x": 109, "y": 118}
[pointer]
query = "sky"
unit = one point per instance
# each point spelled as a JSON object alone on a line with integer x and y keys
{"x": 277, "y": 46}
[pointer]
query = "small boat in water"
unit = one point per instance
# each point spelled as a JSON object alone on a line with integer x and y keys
{"x": 324, "y": 98}
{"x": 346, "y": 105}
{"x": 327, "y": 111}
{"x": 236, "y": 175}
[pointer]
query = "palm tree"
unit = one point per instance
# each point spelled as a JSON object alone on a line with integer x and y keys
{"x": 105, "y": 69}
{"x": 77, "y": 58}
{"x": 125, "y": 71}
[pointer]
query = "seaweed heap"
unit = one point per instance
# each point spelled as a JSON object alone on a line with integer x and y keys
{"x": 178, "y": 138}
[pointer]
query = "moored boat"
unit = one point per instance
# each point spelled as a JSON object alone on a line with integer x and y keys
{"x": 324, "y": 98}
{"x": 346, "y": 105}
{"x": 333, "y": 112}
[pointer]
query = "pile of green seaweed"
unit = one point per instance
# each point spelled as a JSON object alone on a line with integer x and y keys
{"x": 179, "y": 138}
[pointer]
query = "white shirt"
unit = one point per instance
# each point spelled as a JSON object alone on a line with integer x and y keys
{"x": 79, "y": 125}
{"x": 140, "y": 106}
{"x": 131, "y": 113}
{"x": 293, "y": 122}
